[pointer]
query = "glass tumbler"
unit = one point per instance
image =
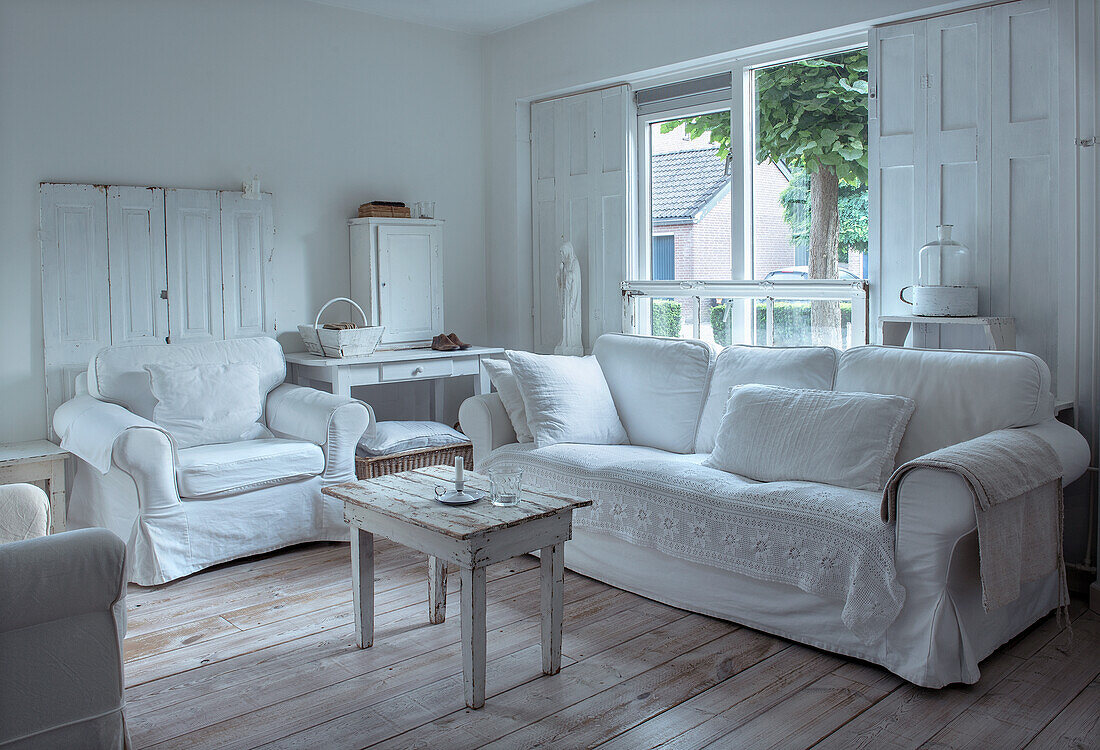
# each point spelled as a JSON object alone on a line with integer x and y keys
{"x": 504, "y": 486}
{"x": 425, "y": 209}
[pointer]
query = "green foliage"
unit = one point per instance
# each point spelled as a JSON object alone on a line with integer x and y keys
{"x": 812, "y": 115}
{"x": 715, "y": 126}
{"x": 720, "y": 325}
{"x": 791, "y": 322}
{"x": 666, "y": 318}
{"x": 852, "y": 206}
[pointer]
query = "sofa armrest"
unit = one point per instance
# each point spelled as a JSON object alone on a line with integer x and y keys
{"x": 24, "y": 513}
{"x": 935, "y": 507}
{"x": 336, "y": 423}
{"x": 64, "y": 618}
{"x": 148, "y": 456}
{"x": 485, "y": 422}
{"x": 60, "y": 576}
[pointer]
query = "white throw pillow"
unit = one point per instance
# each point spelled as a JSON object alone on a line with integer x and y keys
{"x": 500, "y": 373}
{"x": 566, "y": 399}
{"x": 774, "y": 434}
{"x": 204, "y": 404}
{"x": 398, "y": 437}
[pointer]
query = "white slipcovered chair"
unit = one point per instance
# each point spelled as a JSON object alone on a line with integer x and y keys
{"x": 64, "y": 616}
{"x": 184, "y": 509}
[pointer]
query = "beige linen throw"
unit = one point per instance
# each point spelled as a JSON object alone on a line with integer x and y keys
{"x": 1016, "y": 478}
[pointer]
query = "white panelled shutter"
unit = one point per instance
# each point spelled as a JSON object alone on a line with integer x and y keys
{"x": 76, "y": 314}
{"x": 193, "y": 233}
{"x": 580, "y": 172}
{"x": 963, "y": 126}
{"x": 138, "y": 266}
{"x": 248, "y": 245}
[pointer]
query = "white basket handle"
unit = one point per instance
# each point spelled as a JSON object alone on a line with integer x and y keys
{"x": 352, "y": 302}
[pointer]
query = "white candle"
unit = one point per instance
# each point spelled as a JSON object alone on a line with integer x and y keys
{"x": 458, "y": 473}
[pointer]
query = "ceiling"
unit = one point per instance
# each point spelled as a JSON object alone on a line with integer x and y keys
{"x": 470, "y": 16}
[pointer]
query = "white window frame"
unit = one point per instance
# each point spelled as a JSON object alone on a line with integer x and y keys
{"x": 742, "y": 140}
{"x": 742, "y": 137}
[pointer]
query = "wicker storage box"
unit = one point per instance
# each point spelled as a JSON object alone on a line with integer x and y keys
{"x": 373, "y": 210}
{"x": 377, "y": 466}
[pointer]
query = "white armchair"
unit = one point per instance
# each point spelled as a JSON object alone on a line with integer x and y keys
{"x": 184, "y": 509}
{"x": 63, "y": 599}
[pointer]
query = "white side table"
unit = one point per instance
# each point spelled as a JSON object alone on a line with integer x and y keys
{"x": 38, "y": 462}
{"x": 998, "y": 333}
{"x": 398, "y": 366}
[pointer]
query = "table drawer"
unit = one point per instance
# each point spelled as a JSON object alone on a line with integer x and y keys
{"x": 426, "y": 368}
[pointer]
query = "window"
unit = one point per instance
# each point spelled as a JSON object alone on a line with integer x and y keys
{"x": 730, "y": 173}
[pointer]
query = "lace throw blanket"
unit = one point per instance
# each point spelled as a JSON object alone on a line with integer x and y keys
{"x": 1016, "y": 478}
{"x": 824, "y": 540}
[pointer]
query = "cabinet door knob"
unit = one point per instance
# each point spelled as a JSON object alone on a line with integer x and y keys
{"x": 418, "y": 370}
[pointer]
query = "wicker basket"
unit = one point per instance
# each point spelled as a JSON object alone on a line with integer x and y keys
{"x": 340, "y": 343}
{"x": 377, "y": 466}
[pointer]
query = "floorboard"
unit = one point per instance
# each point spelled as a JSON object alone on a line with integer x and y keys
{"x": 261, "y": 653}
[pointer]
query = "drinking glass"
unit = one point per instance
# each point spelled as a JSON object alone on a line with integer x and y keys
{"x": 425, "y": 209}
{"x": 504, "y": 486}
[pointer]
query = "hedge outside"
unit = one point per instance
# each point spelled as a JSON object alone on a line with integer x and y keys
{"x": 666, "y": 318}
{"x": 790, "y": 320}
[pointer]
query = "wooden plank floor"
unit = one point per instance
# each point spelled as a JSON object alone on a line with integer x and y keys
{"x": 262, "y": 653}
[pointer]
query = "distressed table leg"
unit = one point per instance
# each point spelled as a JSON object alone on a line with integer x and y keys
{"x": 362, "y": 585}
{"x": 58, "y": 502}
{"x": 553, "y": 589}
{"x": 437, "y": 590}
{"x": 473, "y": 636}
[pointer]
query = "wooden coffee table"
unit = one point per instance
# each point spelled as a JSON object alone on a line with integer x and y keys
{"x": 403, "y": 508}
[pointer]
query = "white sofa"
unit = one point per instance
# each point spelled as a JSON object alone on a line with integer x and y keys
{"x": 181, "y": 510}
{"x": 63, "y": 599}
{"x": 668, "y": 528}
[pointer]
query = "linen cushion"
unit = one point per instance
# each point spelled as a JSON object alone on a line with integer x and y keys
{"x": 229, "y": 468}
{"x": 203, "y": 404}
{"x": 960, "y": 395}
{"x": 117, "y": 373}
{"x": 795, "y": 367}
{"x": 774, "y": 434}
{"x": 500, "y": 374}
{"x": 658, "y": 386}
{"x": 398, "y": 437}
{"x": 566, "y": 399}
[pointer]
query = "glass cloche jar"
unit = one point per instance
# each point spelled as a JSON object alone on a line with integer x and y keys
{"x": 944, "y": 261}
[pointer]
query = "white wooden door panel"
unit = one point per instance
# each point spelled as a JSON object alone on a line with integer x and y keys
{"x": 1024, "y": 241}
{"x": 580, "y": 187}
{"x": 897, "y": 141}
{"x": 410, "y": 259}
{"x": 138, "y": 265}
{"x": 958, "y": 114}
{"x": 76, "y": 311}
{"x": 247, "y": 247}
{"x": 193, "y": 239}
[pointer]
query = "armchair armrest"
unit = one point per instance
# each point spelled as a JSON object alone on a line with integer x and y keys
{"x": 64, "y": 575}
{"x": 336, "y": 423}
{"x": 63, "y": 599}
{"x": 24, "y": 513}
{"x": 486, "y": 423}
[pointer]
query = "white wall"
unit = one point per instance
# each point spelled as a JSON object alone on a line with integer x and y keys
{"x": 330, "y": 107}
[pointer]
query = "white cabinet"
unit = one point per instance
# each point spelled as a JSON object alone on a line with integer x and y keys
{"x": 146, "y": 265}
{"x": 397, "y": 277}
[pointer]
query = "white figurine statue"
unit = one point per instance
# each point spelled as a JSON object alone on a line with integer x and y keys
{"x": 569, "y": 296}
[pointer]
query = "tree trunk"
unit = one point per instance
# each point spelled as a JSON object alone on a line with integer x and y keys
{"x": 824, "y": 251}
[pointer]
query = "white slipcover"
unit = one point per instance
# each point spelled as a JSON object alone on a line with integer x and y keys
{"x": 942, "y": 631}
{"x": 657, "y": 385}
{"x": 795, "y": 367}
{"x": 183, "y": 510}
{"x": 62, "y": 621}
{"x": 959, "y": 395}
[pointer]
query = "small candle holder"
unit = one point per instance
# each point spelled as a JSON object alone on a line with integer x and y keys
{"x": 458, "y": 495}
